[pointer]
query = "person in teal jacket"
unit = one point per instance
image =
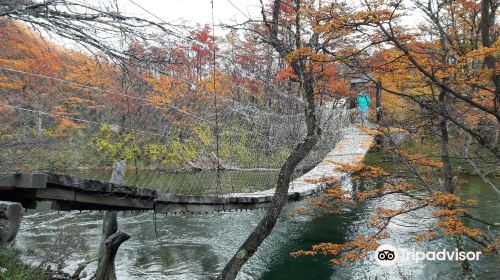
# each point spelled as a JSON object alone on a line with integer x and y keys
{"x": 363, "y": 105}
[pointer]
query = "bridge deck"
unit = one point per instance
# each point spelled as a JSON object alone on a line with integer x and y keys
{"x": 68, "y": 192}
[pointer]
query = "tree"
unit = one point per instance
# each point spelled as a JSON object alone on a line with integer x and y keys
{"x": 82, "y": 23}
{"x": 442, "y": 76}
{"x": 301, "y": 64}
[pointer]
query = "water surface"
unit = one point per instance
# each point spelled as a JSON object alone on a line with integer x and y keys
{"x": 197, "y": 246}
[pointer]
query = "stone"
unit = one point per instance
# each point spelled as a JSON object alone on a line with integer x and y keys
{"x": 10, "y": 220}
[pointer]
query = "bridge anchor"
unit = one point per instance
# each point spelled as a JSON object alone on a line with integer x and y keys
{"x": 11, "y": 214}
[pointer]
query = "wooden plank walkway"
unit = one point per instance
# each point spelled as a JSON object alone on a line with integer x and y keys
{"x": 68, "y": 192}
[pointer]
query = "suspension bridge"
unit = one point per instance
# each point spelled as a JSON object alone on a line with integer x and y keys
{"x": 49, "y": 137}
{"x": 68, "y": 192}
{"x": 61, "y": 133}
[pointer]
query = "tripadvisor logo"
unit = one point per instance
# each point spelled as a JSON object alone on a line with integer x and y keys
{"x": 387, "y": 255}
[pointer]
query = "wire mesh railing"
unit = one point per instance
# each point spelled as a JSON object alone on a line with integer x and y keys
{"x": 168, "y": 143}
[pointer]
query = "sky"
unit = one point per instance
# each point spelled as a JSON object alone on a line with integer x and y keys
{"x": 182, "y": 12}
{"x": 193, "y": 11}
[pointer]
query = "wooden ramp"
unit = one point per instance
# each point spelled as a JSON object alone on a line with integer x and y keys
{"x": 67, "y": 192}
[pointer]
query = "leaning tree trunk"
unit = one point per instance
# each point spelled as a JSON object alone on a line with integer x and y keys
{"x": 306, "y": 84}
{"x": 266, "y": 225}
{"x": 111, "y": 238}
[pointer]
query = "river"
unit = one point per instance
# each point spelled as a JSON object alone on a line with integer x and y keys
{"x": 197, "y": 246}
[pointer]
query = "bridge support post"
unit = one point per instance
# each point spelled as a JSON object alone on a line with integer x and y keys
{"x": 111, "y": 238}
{"x": 11, "y": 214}
{"x": 108, "y": 250}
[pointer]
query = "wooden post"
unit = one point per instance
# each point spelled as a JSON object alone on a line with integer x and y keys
{"x": 111, "y": 238}
{"x": 10, "y": 221}
{"x": 118, "y": 175}
{"x": 106, "y": 263}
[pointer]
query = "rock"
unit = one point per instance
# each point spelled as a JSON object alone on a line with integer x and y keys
{"x": 194, "y": 168}
{"x": 10, "y": 221}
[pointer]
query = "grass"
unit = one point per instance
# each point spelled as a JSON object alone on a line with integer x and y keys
{"x": 460, "y": 167}
{"x": 431, "y": 147}
{"x": 373, "y": 158}
{"x": 11, "y": 268}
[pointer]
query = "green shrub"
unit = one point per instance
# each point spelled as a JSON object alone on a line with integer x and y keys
{"x": 11, "y": 268}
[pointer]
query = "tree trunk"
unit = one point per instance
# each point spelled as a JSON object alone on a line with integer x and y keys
{"x": 487, "y": 21}
{"x": 306, "y": 86}
{"x": 106, "y": 270}
{"x": 111, "y": 239}
{"x": 378, "y": 114}
{"x": 448, "y": 187}
{"x": 467, "y": 272}
{"x": 266, "y": 225}
{"x": 445, "y": 157}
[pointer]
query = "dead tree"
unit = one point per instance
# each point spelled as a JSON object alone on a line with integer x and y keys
{"x": 111, "y": 238}
{"x": 107, "y": 263}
